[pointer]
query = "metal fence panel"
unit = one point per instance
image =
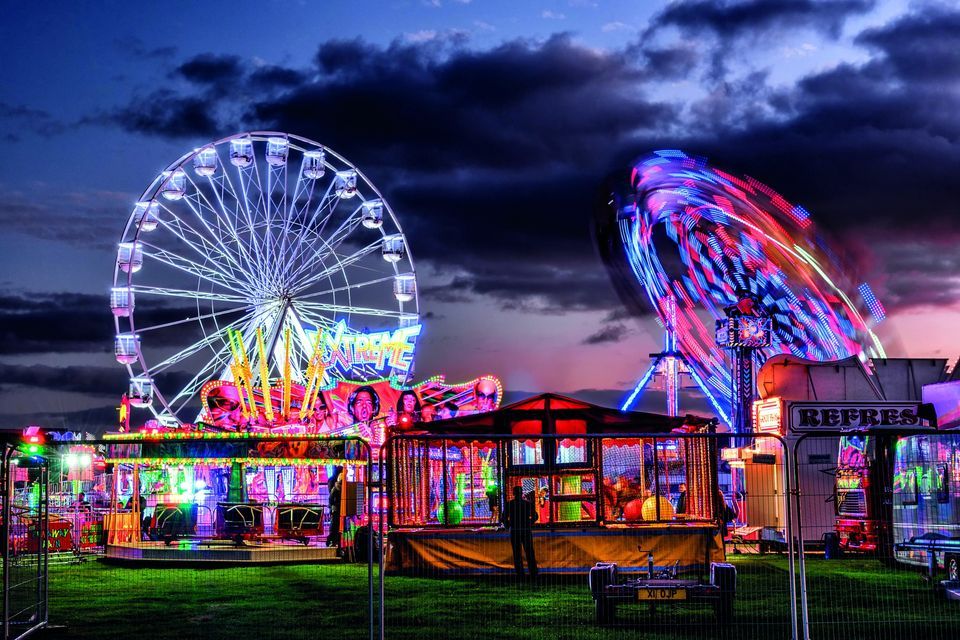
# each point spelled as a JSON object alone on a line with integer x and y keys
{"x": 448, "y": 568}
{"x": 25, "y": 543}
{"x": 161, "y": 544}
{"x": 868, "y": 505}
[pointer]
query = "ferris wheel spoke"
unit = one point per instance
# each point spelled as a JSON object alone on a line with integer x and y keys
{"x": 342, "y": 233}
{"x": 217, "y": 247}
{"x": 221, "y": 359}
{"x": 208, "y": 251}
{"x": 329, "y": 201}
{"x": 191, "y": 267}
{"x": 240, "y": 207}
{"x": 277, "y": 185}
{"x": 340, "y": 265}
{"x": 262, "y": 209}
{"x": 193, "y": 295}
{"x": 358, "y": 285}
{"x": 296, "y": 252}
{"x": 300, "y": 258}
{"x": 304, "y": 261}
{"x": 315, "y": 319}
{"x": 243, "y": 202}
{"x": 289, "y": 219}
{"x": 197, "y": 346}
{"x": 268, "y": 239}
{"x": 339, "y": 308}
{"x": 321, "y": 254}
{"x": 227, "y": 219}
{"x": 206, "y": 316}
{"x": 198, "y": 203}
{"x": 306, "y": 188}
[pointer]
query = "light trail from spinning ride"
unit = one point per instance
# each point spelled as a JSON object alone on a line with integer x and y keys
{"x": 678, "y": 233}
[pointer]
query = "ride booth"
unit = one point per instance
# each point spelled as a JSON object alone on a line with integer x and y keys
{"x": 606, "y": 486}
{"x": 841, "y": 476}
{"x": 234, "y": 497}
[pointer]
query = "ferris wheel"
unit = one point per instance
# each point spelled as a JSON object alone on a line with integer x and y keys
{"x": 260, "y": 236}
{"x": 691, "y": 241}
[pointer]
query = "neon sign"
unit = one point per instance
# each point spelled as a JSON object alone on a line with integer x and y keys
{"x": 385, "y": 351}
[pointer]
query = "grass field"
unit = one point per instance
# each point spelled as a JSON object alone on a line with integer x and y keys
{"x": 849, "y": 599}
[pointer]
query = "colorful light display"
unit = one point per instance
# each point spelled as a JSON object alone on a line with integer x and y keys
{"x": 383, "y": 351}
{"x": 876, "y": 308}
{"x": 365, "y": 409}
{"x": 699, "y": 238}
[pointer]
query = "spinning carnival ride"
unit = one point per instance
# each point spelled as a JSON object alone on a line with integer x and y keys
{"x": 699, "y": 245}
{"x": 248, "y": 250}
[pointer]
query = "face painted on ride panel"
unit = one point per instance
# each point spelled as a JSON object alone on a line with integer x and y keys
{"x": 486, "y": 392}
{"x": 363, "y": 407}
{"x": 409, "y": 403}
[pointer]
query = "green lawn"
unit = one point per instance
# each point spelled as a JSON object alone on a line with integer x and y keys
{"x": 849, "y": 599}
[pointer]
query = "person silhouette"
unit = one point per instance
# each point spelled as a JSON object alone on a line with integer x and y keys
{"x": 519, "y": 516}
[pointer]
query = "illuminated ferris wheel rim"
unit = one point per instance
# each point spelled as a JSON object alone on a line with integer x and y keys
{"x": 733, "y": 236}
{"x": 240, "y": 262}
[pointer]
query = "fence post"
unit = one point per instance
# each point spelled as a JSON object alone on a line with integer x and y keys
{"x": 791, "y": 546}
{"x": 7, "y": 491}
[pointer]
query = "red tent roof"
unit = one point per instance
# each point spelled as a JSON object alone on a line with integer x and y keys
{"x": 556, "y": 413}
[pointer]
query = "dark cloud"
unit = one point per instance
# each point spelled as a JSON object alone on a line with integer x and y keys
{"x": 34, "y": 322}
{"x": 492, "y": 157}
{"x": 77, "y": 379}
{"x": 272, "y": 76}
{"x": 52, "y": 215}
{"x": 97, "y": 381}
{"x": 96, "y": 420}
{"x": 164, "y": 113}
{"x": 736, "y": 18}
{"x": 920, "y": 272}
{"x": 540, "y": 289}
{"x": 920, "y": 46}
{"x": 20, "y": 117}
{"x": 208, "y": 68}
{"x": 867, "y": 148}
{"x": 44, "y": 322}
{"x": 736, "y": 29}
{"x": 609, "y": 333}
{"x": 134, "y": 46}
{"x": 422, "y": 108}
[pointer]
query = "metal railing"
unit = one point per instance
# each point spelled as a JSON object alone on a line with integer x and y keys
{"x": 434, "y": 509}
{"x": 626, "y": 489}
{"x": 25, "y": 538}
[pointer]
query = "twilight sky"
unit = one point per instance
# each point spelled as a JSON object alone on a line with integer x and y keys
{"x": 489, "y": 127}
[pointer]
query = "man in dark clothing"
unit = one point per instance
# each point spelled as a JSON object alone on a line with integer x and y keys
{"x": 681, "y": 506}
{"x": 335, "y": 488}
{"x": 519, "y": 516}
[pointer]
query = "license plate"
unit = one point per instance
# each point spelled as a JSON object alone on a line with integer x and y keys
{"x": 661, "y": 593}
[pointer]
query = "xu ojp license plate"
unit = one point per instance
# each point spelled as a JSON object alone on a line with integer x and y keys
{"x": 661, "y": 593}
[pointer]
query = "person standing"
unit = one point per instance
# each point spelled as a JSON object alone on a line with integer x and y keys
{"x": 519, "y": 516}
{"x": 681, "y": 507}
{"x": 335, "y": 488}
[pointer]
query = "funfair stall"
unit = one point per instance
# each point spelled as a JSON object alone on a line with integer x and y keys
{"x": 222, "y": 496}
{"x": 239, "y": 486}
{"x": 600, "y": 493}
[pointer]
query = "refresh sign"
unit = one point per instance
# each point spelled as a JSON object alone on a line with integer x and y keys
{"x": 810, "y": 416}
